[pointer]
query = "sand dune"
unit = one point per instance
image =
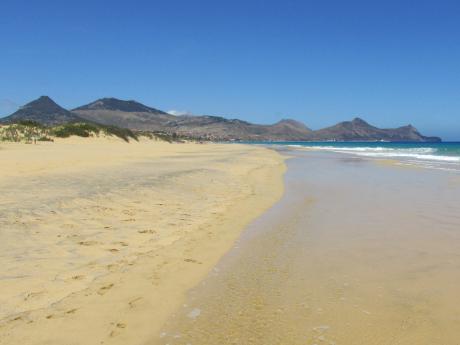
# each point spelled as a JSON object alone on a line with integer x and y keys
{"x": 100, "y": 239}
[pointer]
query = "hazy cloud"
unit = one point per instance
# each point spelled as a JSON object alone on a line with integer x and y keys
{"x": 179, "y": 112}
{"x": 7, "y": 107}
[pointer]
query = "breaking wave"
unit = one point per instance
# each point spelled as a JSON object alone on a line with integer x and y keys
{"x": 418, "y": 153}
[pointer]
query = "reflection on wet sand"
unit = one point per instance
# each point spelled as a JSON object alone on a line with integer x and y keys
{"x": 355, "y": 253}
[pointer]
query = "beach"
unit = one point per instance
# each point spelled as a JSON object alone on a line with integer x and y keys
{"x": 100, "y": 239}
{"x": 105, "y": 242}
{"x": 230, "y": 173}
{"x": 358, "y": 251}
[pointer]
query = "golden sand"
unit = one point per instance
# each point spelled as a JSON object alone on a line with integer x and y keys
{"x": 100, "y": 239}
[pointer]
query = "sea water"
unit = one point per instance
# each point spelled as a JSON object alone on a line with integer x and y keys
{"x": 356, "y": 252}
{"x": 444, "y": 156}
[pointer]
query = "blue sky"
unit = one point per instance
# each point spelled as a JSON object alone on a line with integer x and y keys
{"x": 389, "y": 62}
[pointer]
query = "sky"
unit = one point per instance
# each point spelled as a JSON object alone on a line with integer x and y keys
{"x": 391, "y": 63}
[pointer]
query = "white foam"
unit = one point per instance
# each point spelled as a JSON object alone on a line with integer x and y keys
{"x": 420, "y": 153}
{"x": 411, "y": 155}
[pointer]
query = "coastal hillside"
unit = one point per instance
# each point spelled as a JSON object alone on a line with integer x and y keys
{"x": 215, "y": 127}
{"x": 44, "y": 111}
{"x": 125, "y": 114}
{"x": 120, "y": 105}
{"x": 360, "y": 130}
{"x": 135, "y": 116}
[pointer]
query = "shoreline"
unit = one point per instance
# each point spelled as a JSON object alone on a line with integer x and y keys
{"x": 354, "y": 252}
{"x": 90, "y": 203}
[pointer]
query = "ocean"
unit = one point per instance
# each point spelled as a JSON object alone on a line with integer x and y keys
{"x": 443, "y": 156}
{"x": 354, "y": 253}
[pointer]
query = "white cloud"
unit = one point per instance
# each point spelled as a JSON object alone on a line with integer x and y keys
{"x": 179, "y": 112}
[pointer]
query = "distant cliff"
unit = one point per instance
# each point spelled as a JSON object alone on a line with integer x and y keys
{"x": 136, "y": 116}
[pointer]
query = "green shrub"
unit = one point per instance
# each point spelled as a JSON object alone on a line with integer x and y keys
{"x": 77, "y": 129}
{"x": 122, "y": 133}
{"x": 89, "y": 129}
{"x": 30, "y": 123}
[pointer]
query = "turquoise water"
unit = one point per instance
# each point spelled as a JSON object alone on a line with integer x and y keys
{"x": 444, "y": 155}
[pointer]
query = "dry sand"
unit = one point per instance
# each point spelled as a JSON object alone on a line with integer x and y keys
{"x": 100, "y": 240}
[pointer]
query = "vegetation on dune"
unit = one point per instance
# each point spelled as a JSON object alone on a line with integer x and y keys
{"x": 25, "y": 131}
{"x": 89, "y": 129}
{"x": 30, "y": 131}
{"x": 123, "y": 133}
{"x": 31, "y": 124}
{"x": 169, "y": 137}
{"x": 77, "y": 129}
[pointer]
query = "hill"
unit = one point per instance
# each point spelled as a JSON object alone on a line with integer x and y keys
{"x": 44, "y": 111}
{"x": 125, "y": 114}
{"x": 135, "y": 116}
{"x": 360, "y": 130}
{"x": 219, "y": 128}
{"x": 117, "y": 104}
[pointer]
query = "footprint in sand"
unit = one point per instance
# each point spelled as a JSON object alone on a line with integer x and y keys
{"x": 193, "y": 261}
{"x": 116, "y": 266}
{"x": 119, "y": 326}
{"x": 133, "y": 302}
{"x": 129, "y": 220}
{"x": 88, "y": 243}
{"x": 103, "y": 290}
{"x": 149, "y": 231}
{"x": 33, "y": 295}
{"x": 68, "y": 312}
{"x": 78, "y": 277}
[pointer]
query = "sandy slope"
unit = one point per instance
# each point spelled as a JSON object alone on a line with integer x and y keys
{"x": 100, "y": 239}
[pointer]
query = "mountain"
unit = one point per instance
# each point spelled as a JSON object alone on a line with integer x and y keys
{"x": 360, "y": 130}
{"x": 220, "y": 128}
{"x": 136, "y": 116}
{"x": 117, "y": 104}
{"x": 42, "y": 110}
{"x": 125, "y": 114}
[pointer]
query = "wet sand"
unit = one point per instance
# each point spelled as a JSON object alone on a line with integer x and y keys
{"x": 100, "y": 239}
{"x": 356, "y": 252}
